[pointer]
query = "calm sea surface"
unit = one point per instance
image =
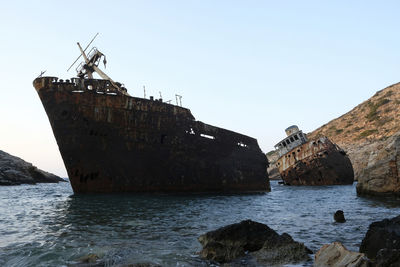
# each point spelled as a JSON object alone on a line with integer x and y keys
{"x": 46, "y": 225}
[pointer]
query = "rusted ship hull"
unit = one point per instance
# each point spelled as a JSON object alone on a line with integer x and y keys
{"x": 117, "y": 143}
{"x": 318, "y": 162}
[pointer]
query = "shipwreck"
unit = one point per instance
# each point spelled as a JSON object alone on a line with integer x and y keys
{"x": 111, "y": 141}
{"x": 312, "y": 162}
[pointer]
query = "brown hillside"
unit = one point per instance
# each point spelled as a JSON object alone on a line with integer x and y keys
{"x": 373, "y": 120}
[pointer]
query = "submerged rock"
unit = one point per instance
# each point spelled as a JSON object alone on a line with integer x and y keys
{"x": 15, "y": 171}
{"x": 384, "y": 234}
{"x": 90, "y": 258}
{"x": 337, "y": 255}
{"x": 94, "y": 260}
{"x": 257, "y": 240}
{"x": 382, "y": 173}
{"x": 339, "y": 216}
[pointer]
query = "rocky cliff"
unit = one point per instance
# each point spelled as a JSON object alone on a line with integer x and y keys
{"x": 15, "y": 171}
{"x": 381, "y": 175}
{"x": 273, "y": 172}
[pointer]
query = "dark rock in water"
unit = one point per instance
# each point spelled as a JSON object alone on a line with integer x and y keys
{"x": 384, "y": 234}
{"x": 232, "y": 241}
{"x": 388, "y": 258}
{"x": 264, "y": 244}
{"x": 336, "y": 254}
{"x": 15, "y": 171}
{"x": 339, "y": 216}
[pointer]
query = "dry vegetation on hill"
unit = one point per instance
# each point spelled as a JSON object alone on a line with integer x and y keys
{"x": 373, "y": 120}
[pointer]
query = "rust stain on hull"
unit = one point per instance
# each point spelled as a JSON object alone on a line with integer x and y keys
{"x": 112, "y": 142}
{"x": 318, "y": 162}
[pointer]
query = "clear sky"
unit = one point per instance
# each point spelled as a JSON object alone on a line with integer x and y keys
{"x": 254, "y": 67}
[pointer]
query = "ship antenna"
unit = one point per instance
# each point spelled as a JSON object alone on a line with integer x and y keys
{"x": 144, "y": 91}
{"x": 83, "y": 51}
{"x": 160, "y": 95}
{"x": 178, "y": 103}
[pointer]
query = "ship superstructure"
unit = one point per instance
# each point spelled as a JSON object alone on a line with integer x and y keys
{"x": 312, "y": 162}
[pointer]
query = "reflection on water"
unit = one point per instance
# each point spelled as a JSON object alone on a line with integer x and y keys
{"x": 47, "y": 225}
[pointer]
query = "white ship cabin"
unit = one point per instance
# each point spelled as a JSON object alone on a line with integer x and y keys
{"x": 295, "y": 138}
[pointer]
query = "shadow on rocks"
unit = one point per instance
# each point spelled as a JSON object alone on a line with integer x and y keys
{"x": 382, "y": 242}
{"x": 253, "y": 243}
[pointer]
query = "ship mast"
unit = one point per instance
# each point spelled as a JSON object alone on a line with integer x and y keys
{"x": 90, "y": 65}
{"x": 92, "y": 60}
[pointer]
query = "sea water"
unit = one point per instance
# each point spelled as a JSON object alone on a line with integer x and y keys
{"x": 47, "y": 225}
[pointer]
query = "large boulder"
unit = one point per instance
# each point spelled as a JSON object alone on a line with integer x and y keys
{"x": 384, "y": 234}
{"x": 256, "y": 240}
{"x": 15, "y": 171}
{"x": 337, "y": 255}
{"x": 388, "y": 258}
{"x": 381, "y": 176}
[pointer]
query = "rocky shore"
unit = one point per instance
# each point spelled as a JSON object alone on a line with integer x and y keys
{"x": 379, "y": 248}
{"x": 250, "y": 243}
{"x": 16, "y": 171}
